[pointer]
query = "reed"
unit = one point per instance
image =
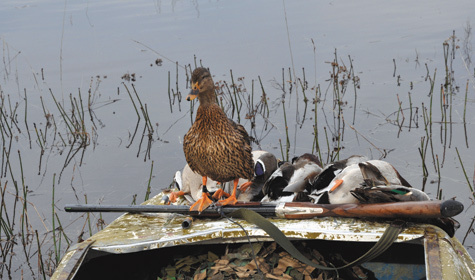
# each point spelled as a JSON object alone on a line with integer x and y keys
{"x": 147, "y": 193}
{"x": 303, "y": 86}
{"x": 53, "y": 214}
{"x": 443, "y": 127}
{"x": 265, "y": 111}
{"x": 235, "y": 95}
{"x": 439, "y": 178}
{"x": 429, "y": 117}
{"x": 465, "y": 173}
{"x": 424, "y": 167}
{"x": 40, "y": 257}
{"x": 26, "y": 117}
{"x": 287, "y": 140}
{"x": 24, "y": 215}
{"x": 410, "y": 110}
{"x": 88, "y": 219}
{"x": 316, "y": 144}
{"x": 169, "y": 94}
{"x": 465, "y": 114}
{"x": 356, "y": 82}
{"x": 399, "y": 112}
{"x": 63, "y": 233}
{"x": 136, "y": 112}
{"x": 63, "y": 113}
{"x": 329, "y": 152}
{"x": 144, "y": 112}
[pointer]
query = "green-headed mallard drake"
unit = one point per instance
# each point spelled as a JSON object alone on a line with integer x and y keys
{"x": 215, "y": 146}
{"x": 364, "y": 181}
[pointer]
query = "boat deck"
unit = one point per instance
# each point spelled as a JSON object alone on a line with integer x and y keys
{"x": 135, "y": 240}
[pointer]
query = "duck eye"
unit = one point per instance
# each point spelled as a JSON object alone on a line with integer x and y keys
{"x": 196, "y": 86}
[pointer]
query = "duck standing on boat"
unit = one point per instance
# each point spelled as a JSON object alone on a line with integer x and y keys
{"x": 215, "y": 146}
{"x": 189, "y": 183}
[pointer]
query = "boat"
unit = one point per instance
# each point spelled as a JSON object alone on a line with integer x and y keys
{"x": 143, "y": 246}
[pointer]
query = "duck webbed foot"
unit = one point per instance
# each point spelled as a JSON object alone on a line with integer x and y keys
{"x": 220, "y": 193}
{"x": 232, "y": 198}
{"x": 174, "y": 195}
{"x": 245, "y": 186}
{"x": 201, "y": 203}
{"x": 204, "y": 201}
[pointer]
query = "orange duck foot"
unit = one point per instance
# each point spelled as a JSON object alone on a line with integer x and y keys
{"x": 231, "y": 200}
{"x": 245, "y": 186}
{"x": 202, "y": 203}
{"x": 174, "y": 195}
{"x": 220, "y": 193}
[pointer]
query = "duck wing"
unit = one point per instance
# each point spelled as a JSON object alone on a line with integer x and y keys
{"x": 392, "y": 193}
{"x": 372, "y": 175}
{"x": 302, "y": 178}
{"x": 241, "y": 131}
{"x": 276, "y": 183}
{"x": 331, "y": 170}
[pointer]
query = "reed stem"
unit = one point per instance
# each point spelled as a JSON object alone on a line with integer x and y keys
{"x": 147, "y": 193}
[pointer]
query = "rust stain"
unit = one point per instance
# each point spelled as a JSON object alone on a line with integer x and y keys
{"x": 431, "y": 245}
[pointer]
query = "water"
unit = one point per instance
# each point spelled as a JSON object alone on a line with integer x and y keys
{"x": 80, "y": 46}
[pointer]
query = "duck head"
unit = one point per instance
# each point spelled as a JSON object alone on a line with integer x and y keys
{"x": 202, "y": 86}
{"x": 265, "y": 164}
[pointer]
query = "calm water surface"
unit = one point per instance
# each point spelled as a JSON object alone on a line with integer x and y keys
{"x": 82, "y": 46}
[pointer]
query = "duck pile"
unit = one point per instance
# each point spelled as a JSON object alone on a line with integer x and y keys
{"x": 352, "y": 180}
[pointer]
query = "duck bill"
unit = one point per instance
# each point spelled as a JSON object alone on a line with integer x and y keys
{"x": 192, "y": 95}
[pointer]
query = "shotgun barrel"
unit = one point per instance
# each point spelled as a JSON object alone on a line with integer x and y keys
{"x": 297, "y": 210}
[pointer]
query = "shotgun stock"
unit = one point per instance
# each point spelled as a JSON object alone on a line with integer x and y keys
{"x": 298, "y": 210}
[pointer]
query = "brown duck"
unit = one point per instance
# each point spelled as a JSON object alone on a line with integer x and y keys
{"x": 215, "y": 146}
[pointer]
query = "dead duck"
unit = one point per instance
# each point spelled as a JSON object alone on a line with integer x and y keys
{"x": 330, "y": 171}
{"x": 215, "y": 146}
{"x": 189, "y": 185}
{"x": 291, "y": 181}
{"x": 363, "y": 174}
{"x": 265, "y": 164}
{"x": 189, "y": 182}
{"x": 388, "y": 193}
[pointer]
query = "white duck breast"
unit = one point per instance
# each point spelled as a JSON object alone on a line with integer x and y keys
{"x": 374, "y": 172}
{"x": 339, "y": 188}
{"x": 302, "y": 177}
{"x": 192, "y": 181}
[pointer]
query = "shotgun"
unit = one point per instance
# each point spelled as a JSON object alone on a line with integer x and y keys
{"x": 298, "y": 210}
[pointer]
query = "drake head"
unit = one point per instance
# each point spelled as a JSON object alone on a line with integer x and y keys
{"x": 202, "y": 86}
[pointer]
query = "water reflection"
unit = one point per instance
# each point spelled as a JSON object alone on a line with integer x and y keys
{"x": 89, "y": 108}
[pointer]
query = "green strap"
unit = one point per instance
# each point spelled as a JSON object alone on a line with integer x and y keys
{"x": 388, "y": 238}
